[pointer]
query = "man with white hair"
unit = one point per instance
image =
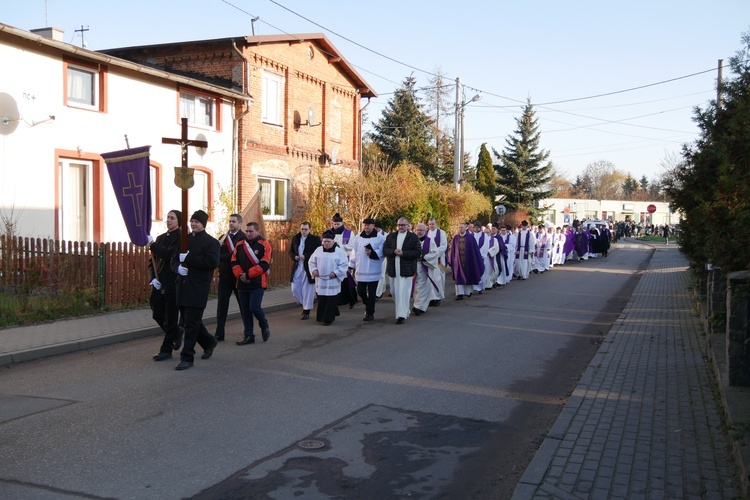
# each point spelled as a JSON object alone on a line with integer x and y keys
{"x": 403, "y": 250}
{"x": 466, "y": 262}
{"x": 428, "y": 272}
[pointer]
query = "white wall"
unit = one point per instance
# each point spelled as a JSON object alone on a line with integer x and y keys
{"x": 146, "y": 109}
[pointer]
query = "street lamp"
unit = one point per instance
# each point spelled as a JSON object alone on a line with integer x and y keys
{"x": 458, "y": 133}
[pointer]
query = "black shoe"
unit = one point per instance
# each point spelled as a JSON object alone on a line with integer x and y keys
{"x": 417, "y": 311}
{"x": 480, "y": 292}
{"x": 351, "y": 306}
{"x": 183, "y": 365}
{"x": 305, "y": 316}
{"x": 459, "y": 297}
{"x": 469, "y": 295}
{"x": 220, "y": 339}
{"x": 400, "y": 321}
{"x": 327, "y": 323}
{"x": 162, "y": 356}
{"x": 208, "y": 352}
{"x": 432, "y": 303}
{"x": 177, "y": 343}
{"x": 436, "y": 304}
{"x": 246, "y": 340}
{"x": 265, "y": 333}
{"x": 368, "y": 317}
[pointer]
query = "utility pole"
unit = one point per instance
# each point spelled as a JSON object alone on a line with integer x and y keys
{"x": 457, "y": 138}
{"x": 719, "y": 83}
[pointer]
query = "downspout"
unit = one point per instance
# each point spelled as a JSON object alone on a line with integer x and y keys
{"x": 361, "y": 134}
{"x": 236, "y": 130}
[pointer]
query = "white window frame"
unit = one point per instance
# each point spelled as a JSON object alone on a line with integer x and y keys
{"x": 270, "y": 201}
{"x": 79, "y": 95}
{"x": 193, "y": 106}
{"x": 68, "y": 231}
{"x": 272, "y": 98}
{"x": 199, "y": 195}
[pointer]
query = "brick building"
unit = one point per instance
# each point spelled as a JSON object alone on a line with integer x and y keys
{"x": 304, "y": 111}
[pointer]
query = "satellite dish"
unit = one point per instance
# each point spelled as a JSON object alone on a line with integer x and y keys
{"x": 9, "y": 115}
{"x": 201, "y": 151}
{"x": 334, "y": 154}
{"x": 311, "y": 118}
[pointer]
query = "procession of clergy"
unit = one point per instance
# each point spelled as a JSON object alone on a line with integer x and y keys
{"x": 342, "y": 266}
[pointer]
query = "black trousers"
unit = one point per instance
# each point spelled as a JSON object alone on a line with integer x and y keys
{"x": 166, "y": 314}
{"x": 226, "y": 289}
{"x": 328, "y": 308}
{"x": 367, "y": 290}
{"x": 195, "y": 332}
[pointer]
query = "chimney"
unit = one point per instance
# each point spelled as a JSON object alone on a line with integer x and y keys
{"x": 53, "y": 33}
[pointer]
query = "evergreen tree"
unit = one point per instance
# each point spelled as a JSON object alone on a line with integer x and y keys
{"x": 522, "y": 172}
{"x": 485, "y": 174}
{"x": 629, "y": 187}
{"x": 404, "y": 132}
{"x": 712, "y": 185}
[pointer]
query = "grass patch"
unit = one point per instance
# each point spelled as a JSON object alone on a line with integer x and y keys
{"x": 20, "y": 309}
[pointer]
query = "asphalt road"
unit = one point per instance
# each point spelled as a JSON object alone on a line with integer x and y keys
{"x": 451, "y": 404}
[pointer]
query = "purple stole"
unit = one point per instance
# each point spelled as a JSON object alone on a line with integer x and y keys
{"x": 525, "y": 246}
{"x": 502, "y": 255}
{"x": 543, "y": 245}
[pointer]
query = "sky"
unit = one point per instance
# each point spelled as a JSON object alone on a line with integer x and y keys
{"x": 611, "y": 81}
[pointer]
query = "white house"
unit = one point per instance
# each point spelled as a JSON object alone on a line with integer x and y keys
{"x": 61, "y": 106}
{"x": 559, "y": 211}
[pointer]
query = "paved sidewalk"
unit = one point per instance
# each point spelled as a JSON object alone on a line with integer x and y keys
{"x": 27, "y": 343}
{"x": 643, "y": 421}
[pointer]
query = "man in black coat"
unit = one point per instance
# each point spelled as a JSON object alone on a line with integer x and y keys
{"x": 227, "y": 282}
{"x": 163, "y": 279}
{"x": 303, "y": 284}
{"x": 403, "y": 250}
{"x": 196, "y": 271}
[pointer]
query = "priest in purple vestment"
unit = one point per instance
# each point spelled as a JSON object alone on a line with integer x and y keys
{"x": 465, "y": 261}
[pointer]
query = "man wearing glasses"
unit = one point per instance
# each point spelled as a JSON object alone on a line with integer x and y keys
{"x": 403, "y": 250}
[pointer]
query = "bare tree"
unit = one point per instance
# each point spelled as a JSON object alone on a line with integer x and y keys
{"x": 605, "y": 180}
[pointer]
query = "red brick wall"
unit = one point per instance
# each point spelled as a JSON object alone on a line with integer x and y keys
{"x": 290, "y": 151}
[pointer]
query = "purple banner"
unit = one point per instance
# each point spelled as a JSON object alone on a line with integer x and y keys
{"x": 131, "y": 179}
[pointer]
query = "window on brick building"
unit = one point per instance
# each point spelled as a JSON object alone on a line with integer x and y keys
{"x": 274, "y": 194}
{"x": 200, "y": 110}
{"x": 272, "y": 98}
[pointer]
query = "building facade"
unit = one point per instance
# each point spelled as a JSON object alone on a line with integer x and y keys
{"x": 559, "y": 211}
{"x": 305, "y": 114}
{"x": 64, "y": 106}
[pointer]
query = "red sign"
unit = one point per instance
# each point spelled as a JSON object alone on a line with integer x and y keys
{"x": 651, "y": 208}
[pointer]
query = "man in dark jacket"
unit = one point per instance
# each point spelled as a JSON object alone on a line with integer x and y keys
{"x": 227, "y": 281}
{"x": 163, "y": 278}
{"x": 196, "y": 271}
{"x": 303, "y": 284}
{"x": 403, "y": 250}
{"x": 251, "y": 263}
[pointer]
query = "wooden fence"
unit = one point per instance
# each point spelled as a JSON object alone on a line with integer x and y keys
{"x": 116, "y": 272}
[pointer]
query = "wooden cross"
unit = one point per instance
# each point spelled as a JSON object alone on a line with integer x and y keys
{"x": 183, "y": 175}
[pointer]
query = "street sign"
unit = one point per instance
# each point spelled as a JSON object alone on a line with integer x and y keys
{"x": 500, "y": 210}
{"x": 651, "y": 208}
